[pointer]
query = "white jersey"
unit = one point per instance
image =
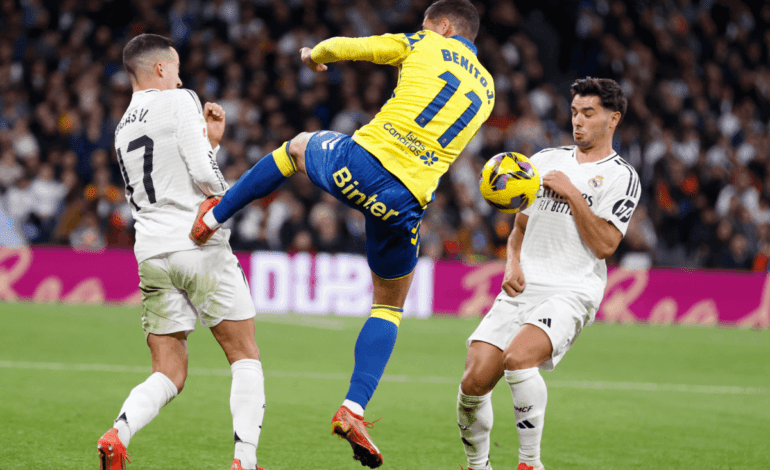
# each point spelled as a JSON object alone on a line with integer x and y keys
{"x": 169, "y": 168}
{"x": 553, "y": 254}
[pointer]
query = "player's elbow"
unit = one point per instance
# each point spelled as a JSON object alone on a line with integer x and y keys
{"x": 605, "y": 249}
{"x": 603, "y": 253}
{"x": 606, "y": 242}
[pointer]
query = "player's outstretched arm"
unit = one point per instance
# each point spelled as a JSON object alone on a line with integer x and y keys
{"x": 601, "y": 236}
{"x": 388, "y": 49}
{"x": 513, "y": 280}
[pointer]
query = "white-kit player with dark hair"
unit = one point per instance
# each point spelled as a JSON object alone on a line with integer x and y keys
{"x": 555, "y": 274}
{"x": 166, "y": 143}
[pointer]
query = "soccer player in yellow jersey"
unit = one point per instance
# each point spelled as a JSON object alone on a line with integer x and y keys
{"x": 388, "y": 170}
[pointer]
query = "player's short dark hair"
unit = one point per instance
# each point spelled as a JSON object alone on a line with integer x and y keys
{"x": 141, "y": 45}
{"x": 609, "y": 92}
{"x": 461, "y": 13}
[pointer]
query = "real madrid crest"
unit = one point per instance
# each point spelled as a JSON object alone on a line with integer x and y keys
{"x": 596, "y": 182}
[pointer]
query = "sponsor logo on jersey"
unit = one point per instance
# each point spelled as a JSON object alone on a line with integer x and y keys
{"x": 410, "y": 141}
{"x": 596, "y": 182}
{"x": 429, "y": 158}
{"x": 623, "y": 209}
{"x": 343, "y": 179}
{"x": 550, "y": 201}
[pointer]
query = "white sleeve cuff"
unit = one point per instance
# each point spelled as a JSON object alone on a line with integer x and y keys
{"x": 210, "y": 220}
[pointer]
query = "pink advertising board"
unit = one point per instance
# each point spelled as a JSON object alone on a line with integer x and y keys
{"x": 661, "y": 296}
{"x": 60, "y": 274}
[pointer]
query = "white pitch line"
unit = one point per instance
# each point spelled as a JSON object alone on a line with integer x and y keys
{"x": 568, "y": 384}
{"x": 320, "y": 322}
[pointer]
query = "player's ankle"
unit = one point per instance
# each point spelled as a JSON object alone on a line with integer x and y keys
{"x": 210, "y": 220}
{"x": 354, "y": 407}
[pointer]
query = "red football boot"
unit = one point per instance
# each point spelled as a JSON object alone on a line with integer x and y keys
{"x": 201, "y": 232}
{"x": 237, "y": 465}
{"x": 352, "y": 427}
{"x": 524, "y": 466}
{"x": 112, "y": 452}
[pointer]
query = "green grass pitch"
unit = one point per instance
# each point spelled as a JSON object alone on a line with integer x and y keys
{"x": 626, "y": 396}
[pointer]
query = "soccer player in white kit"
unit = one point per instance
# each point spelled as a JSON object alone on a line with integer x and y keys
{"x": 555, "y": 274}
{"x": 166, "y": 143}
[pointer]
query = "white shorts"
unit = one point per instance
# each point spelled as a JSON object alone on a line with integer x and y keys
{"x": 182, "y": 286}
{"x": 562, "y": 315}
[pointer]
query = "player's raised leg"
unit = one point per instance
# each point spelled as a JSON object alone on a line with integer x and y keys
{"x": 169, "y": 366}
{"x": 247, "y": 394}
{"x": 261, "y": 180}
{"x": 483, "y": 369}
{"x": 530, "y": 347}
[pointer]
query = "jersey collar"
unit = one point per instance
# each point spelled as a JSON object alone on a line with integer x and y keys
{"x": 603, "y": 160}
{"x": 466, "y": 42}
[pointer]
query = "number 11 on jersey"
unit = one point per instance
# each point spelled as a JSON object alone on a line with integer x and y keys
{"x": 438, "y": 103}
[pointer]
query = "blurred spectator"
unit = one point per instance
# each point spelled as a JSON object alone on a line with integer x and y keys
{"x": 10, "y": 170}
{"x": 19, "y": 204}
{"x": 742, "y": 189}
{"x": 697, "y": 75}
{"x": 48, "y": 194}
{"x": 87, "y": 236}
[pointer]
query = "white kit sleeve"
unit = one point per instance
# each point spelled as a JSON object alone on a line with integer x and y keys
{"x": 194, "y": 145}
{"x": 618, "y": 203}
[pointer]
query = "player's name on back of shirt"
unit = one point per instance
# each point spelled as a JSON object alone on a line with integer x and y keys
{"x": 138, "y": 115}
{"x": 462, "y": 61}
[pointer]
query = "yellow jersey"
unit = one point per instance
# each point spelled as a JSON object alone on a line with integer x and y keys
{"x": 442, "y": 98}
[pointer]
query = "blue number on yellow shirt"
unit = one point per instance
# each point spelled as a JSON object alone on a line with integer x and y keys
{"x": 430, "y": 111}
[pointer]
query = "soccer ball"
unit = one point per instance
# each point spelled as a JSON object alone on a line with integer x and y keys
{"x": 509, "y": 182}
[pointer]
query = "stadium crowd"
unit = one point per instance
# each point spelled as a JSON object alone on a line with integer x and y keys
{"x": 697, "y": 74}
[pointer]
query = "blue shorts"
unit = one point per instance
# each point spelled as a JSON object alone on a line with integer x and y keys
{"x": 348, "y": 172}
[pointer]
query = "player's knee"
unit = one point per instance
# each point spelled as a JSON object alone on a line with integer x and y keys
{"x": 475, "y": 386}
{"x": 513, "y": 360}
{"x": 297, "y": 147}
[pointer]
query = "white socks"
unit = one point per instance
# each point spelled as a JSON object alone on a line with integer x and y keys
{"x": 474, "y": 416}
{"x": 354, "y": 407}
{"x": 247, "y": 405}
{"x": 210, "y": 220}
{"x": 530, "y": 396}
{"x": 143, "y": 404}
